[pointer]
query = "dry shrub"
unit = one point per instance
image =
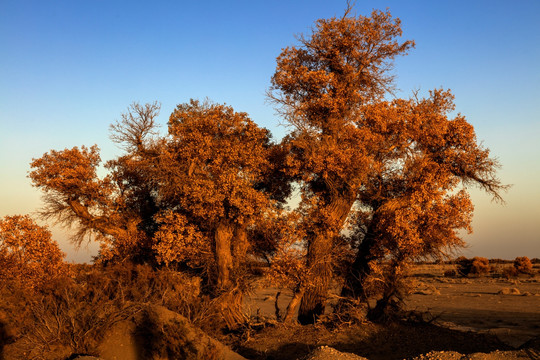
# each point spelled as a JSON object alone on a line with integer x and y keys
{"x": 71, "y": 315}
{"x": 523, "y": 265}
{"x": 509, "y": 272}
{"x": 173, "y": 290}
{"x": 475, "y": 266}
{"x": 66, "y": 318}
{"x": 450, "y": 273}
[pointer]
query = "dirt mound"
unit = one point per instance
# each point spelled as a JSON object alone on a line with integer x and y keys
{"x": 158, "y": 333}
{"x": 495, "y": 355}
{"x": 328, "y": 353}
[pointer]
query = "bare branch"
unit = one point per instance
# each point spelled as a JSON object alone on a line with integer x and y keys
{"x": 136, "y": 126}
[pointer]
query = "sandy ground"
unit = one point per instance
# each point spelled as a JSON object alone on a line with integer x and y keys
{"x": 506, "y": 308}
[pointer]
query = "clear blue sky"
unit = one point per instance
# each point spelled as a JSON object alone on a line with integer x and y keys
{"x": 70, "y": 68}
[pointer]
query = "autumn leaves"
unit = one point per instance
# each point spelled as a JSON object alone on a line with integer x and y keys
{"x": 380, "y": 182}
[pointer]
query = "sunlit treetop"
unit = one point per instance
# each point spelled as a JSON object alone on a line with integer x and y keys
{"x": 345, "y": 63}
{"x": 214, "y": 160}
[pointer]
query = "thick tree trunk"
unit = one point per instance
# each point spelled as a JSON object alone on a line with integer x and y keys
{"x": 354, "y": 291}
{"x": 319, "y": 257}
{"x": 320, "y": 263}
{"x": 240, "y": 248}
{"x": 223, "y": 255}
{"x": 230, "y": 253}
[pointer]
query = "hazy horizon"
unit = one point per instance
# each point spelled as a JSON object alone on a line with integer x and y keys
{"x": 71, "y": 68}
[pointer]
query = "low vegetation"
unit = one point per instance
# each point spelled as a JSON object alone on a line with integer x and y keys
{"x": 475, "y": 266}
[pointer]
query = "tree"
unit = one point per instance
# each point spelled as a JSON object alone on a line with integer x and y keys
{"x": 320, "y": 88}
{"x": 28, "y": 255}
{"x": 523, "y": 265}
{"x": 118, "y": 208}
{"x": 415, "y": 202}
{"x": 390, "y": 170}
{"x": 186, "y": 199}
{"x": 212, "y": 168}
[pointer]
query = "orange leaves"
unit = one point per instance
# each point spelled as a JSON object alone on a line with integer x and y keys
{"x": 181, "y": 242}
{"x": 342, "y": 65}
{"x": 69, "y": 171}
{"x": 214, "y": 160}
{"x": 27, "y": 252}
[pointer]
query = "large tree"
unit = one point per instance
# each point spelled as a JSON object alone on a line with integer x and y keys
{"x": 392, "y": 168}
{"x": 414, "y": 203}
{"x": 320, "y": 87}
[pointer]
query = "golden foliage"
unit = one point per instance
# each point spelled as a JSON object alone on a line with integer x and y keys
{"x": 392, "y": 174}
{"x": 181, "y": 242}
{"x": 523, "y": 265}
{"x": 397, "y": 164}
{"x": 213, "y": 161}
{"x": 28, "y": 255}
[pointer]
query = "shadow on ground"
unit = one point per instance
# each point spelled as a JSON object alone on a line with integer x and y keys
{"x": 395, "y": 341}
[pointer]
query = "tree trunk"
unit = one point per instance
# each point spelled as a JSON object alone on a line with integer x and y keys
{"x": 240, "y": 247}
{"x": 293, "y": 306}
{"x": 229, "y": 257}
{"x": 319, "y": 257}
{"x": 320, "y": 263}
{"x": 223, "y": 255}
{"x": 353, "y": 291}
{"x": 359, "y": 271}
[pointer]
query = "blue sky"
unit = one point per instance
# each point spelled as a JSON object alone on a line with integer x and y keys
{"x": 70, "y": 68}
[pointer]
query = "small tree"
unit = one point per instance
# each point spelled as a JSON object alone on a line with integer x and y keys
{"x": 211, "y": 167}
{"x": 118, "y": 208}
{"x": 28, "y": 255}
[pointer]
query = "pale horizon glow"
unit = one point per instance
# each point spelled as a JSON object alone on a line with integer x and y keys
{"x": 69, "y": 69}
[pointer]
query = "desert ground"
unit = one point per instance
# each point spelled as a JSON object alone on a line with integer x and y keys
{"x": 446, "y": 317}
{"x": 445, "y": 313}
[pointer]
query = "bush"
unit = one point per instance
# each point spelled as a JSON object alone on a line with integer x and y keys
{"x": 71, "y": 315}
{"x": 28, "y": 255}
{"x": 523, "y": 265}
{"x": 475, "y": 266}
{"x": 450, "y": 273}
{"x": 509, "y": 272}
{"x": 64, "y": 318}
